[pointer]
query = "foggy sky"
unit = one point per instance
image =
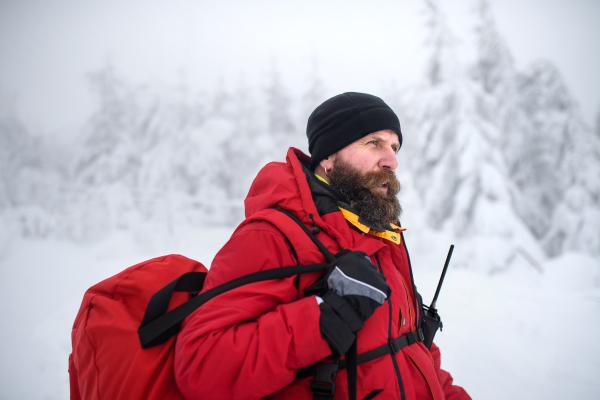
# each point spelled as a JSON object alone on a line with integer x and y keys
{"x": 48, "y": 47}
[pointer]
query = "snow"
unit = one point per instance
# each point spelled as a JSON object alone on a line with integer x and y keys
{"x": 513, "y": 333}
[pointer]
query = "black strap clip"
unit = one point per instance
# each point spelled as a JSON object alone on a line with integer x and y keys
{"x": 405, "y": 340}
{"x": 396, "y": 344}
{"x": 326, "y": 371}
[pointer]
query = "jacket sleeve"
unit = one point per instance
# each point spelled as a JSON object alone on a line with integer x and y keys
{"x": 451, "y": 392}
{"x": 249, "y": 342}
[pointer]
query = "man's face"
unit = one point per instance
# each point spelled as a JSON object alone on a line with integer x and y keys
{"x": 364, "y": 173}
{"x": 372, "y": 153}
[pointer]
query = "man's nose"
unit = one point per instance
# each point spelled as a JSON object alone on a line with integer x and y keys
{"x": 388, "y": 161}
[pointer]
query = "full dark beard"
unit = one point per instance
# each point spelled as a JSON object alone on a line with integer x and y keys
{"x": 380, "y": 209}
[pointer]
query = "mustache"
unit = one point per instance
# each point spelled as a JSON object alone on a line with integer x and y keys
{"x": 379, "y": 178}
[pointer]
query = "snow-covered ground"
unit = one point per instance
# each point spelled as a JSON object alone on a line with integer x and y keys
{"x": 514, "y": 334}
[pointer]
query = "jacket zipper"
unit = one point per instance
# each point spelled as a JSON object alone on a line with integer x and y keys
{"x": 412, "y": 281}
{"x": 410, "y": 316}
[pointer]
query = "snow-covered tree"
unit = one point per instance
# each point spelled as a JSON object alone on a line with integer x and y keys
{"x": 106, "y": 171}
{"x": 222, "y": 101}
{"x": 31, "y": 180}
{"x": 241, "y": 151}
{"x": 16, "y": 152}
{"x": 597, "y": 127}
{"x": 432, "y": 115}
{"x": 314, "y": 94}
{"x": 494, "y": 66}
{"x": 455, "y": 156}
{"x": 278, "y": 103}
{"x": 537, "y": 130}
{"x": 551, "y": 157}
{"x": 442, "y": 62}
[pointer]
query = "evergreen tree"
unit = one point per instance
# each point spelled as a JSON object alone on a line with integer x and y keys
{"x": 222, "y": 101}
{"x": 278, "y": 105}
{"x": 494, "y": 66}
{"x": 240, "y": 152}
{"x": 455, "y": 160}
{"x": 538, "y": 143}
{"x": 108, "y": 169}
{"x": 315, "y": 92}
{"x": 16, "y": 152}
{"x": 598, "y": 123}
{"x": 30, "y": 182}
{"x": 313, "y": 95}
{"x": 551, "y": 157}
{"x": 440, "y": 43}
{"x": 431, "y": 111}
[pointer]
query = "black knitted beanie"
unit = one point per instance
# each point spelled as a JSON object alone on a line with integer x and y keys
{"x": 344, "y": 119}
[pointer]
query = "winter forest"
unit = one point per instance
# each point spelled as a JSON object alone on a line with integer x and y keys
{"x": 497, "y": 160}
{"x": 491, "y": 151}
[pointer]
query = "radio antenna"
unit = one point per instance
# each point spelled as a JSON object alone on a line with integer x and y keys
{"x": 437, "y": 292}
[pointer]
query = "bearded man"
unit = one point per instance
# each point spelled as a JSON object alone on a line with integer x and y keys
{"x": 283, "y": 339}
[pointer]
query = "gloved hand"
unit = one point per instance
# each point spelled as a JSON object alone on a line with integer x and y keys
{"x": 356, "y": 289}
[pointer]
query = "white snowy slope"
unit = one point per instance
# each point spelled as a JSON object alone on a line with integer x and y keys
{"x": 516, "y": 334}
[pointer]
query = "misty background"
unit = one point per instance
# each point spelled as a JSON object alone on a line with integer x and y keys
{"x": 133, "y": 129}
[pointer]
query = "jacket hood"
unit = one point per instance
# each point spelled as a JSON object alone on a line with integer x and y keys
{"x": 282, "y": 185}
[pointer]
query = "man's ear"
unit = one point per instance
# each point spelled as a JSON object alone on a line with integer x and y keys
{"x": 327, "y": 162}
{"x": 324, "y": 167}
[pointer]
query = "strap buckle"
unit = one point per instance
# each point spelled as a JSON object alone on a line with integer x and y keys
{"x": 396, "y": 345}
{"x": 412, "y": 337}
{"x": 326, "y": 372}
{"x": 406, "y": 340}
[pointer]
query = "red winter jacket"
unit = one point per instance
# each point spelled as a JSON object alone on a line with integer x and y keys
{"x": 250, "y": 342}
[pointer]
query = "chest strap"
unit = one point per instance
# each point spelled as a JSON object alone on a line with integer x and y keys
{"x": 392, "y": 347}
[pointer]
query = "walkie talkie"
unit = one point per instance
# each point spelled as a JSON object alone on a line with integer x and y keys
{"x": 430, "y": 318}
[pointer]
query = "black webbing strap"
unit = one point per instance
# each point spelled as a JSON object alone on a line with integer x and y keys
{"x": 159, "y": 302}
{"x": 157, "y": 327}
{"x": 352, "y": 367}
{"x": 328, "y": 255}
{"x": 392, "y": 347}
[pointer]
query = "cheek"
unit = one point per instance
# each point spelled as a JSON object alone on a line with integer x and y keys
{"x": 367, "y": 164}
{"x": 363, "y": 160}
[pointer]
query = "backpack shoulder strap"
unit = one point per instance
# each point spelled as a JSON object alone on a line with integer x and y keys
{"x": 304, "y": 245}
{"x": 324, "y": 250}
{"x": 158, "y": 325}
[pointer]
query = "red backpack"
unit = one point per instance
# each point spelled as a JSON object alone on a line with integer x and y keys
{"x": 108, "y": 362}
